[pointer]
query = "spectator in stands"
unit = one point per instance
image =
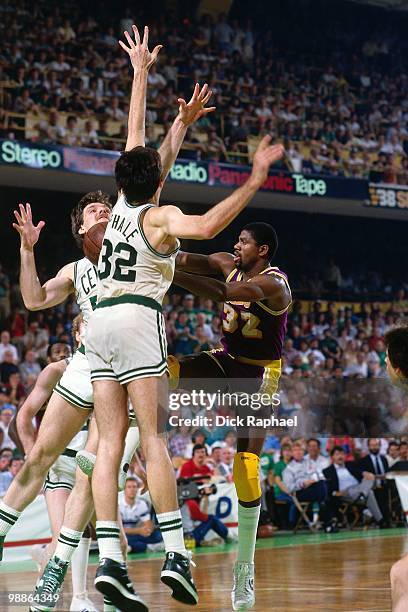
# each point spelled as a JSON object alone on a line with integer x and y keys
{"x": 5, "y": 345}
{"x": 317, "y": 462}
{"x": 393, "y": 453}
{"x": 29, "y": 366}
{"x": 6, "y": 455}
{"x": 7, "y": 366}
{"x": 15, "y": 389}
{"x": 226, "y": 464}
{"x": 6, "y": 416}
{"x": 179, "y": 441}
{"x": 197, "y": 465}
{"x": 89, "y": 136}
{"x": 349, "y": 482}
{"x": 306, "y": 485}
{"x": 135, "y": 512}
{"x": 6, "y": 478}
{"x": 376, "y": 463}
{"x": 36, "y": 339}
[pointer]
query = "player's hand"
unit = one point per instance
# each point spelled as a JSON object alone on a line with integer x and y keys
{"x": 138, "y": 52}
{"x": 29, "y": 233}
{"x": 195, "y": 109}
{"x": 265, "y": 155}
{"x": 146, "y": 530}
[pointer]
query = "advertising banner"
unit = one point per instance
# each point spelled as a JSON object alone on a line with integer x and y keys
{"x": 211, "y": 174}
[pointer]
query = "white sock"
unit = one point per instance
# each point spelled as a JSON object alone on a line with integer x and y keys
{"x": 79, "y": 565}
{"x": 107, "y": 533}
{"x": 67, "y": 544}
{"x": 247, "y": 527}
{"x": 8, "y": 517}
{"x": 171, "y": 529}
{"x": 131, "y": 442}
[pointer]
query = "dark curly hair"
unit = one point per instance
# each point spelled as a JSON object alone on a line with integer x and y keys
{"x": 138, "y": 173}
{"x": 77, "y": 217}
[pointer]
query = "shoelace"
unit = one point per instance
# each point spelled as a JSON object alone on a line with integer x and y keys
{"x": 242, "y": 586}
{"x": 52, "y": 580}
{"x": 189, "y": 556}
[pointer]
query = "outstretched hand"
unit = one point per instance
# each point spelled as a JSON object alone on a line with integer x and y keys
{"x": 195, "y": 109}
{"x": 29, "y": 233}
{"x": 265, "y": 155}
{"x": 140, "y": 56}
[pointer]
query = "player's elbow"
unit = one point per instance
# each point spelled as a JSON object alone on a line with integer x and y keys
{"x": 205, "y": 232}
{"x": 33, "y": 304}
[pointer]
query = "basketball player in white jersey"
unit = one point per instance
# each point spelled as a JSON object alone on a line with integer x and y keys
{"x": 61, "y": 476}
{"x": 69, "y": 404}
{"x": 126, "y": 349}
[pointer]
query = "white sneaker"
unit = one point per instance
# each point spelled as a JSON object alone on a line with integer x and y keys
{"x": 243, "y": 594}
{"x": 86, "y": 462}
{"x": 82, "y": 603}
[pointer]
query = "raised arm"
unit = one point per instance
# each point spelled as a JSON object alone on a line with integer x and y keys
{"x": 54, "y": 291}
{"x": 43, "y": 388}
{"x": 170, "y": 221}
{"x": 141, "y": 59}
{"x": 260, "y": 287}
{"x": 188, "y": 114}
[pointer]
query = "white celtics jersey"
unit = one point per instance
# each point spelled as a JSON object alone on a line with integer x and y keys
{"x": 85, "y": 283}
{"x": 128, "y": 264}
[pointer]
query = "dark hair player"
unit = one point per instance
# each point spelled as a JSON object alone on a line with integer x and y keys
{"x": 256, "y": 299}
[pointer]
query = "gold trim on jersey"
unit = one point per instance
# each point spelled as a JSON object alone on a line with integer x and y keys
{"x": 230, "y": 275}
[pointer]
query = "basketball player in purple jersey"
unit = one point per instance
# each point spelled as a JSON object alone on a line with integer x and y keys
{"x": 256, "y": 298}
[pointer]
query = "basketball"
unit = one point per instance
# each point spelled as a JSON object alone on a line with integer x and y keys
{"x": 93, "y": 241}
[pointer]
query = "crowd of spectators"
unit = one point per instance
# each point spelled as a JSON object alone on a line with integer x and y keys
{"x": 339, "y": 105}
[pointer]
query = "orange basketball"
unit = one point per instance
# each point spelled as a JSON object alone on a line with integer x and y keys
{"x": 93, "y": 241}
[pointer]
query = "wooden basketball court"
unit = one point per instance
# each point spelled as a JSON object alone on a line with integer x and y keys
{"x": 346, "y": 572}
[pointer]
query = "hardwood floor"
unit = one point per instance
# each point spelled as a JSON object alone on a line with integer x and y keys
{"x": 329, "y": 575}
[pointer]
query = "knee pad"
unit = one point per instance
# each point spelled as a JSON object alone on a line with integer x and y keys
{"x": 173, "y": 366}
{"x": 246, "y": 476}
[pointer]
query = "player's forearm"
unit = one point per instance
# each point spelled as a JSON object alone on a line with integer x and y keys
{"x": 220, "y": 216}
{"x": 194, "y": 263}
{"x": 137, "y": 111}
{"x": 31, "y": 290}
{"x": 26, "y": 432}
{"x": 171, "y": 145}
{"x": 205, "y": 287}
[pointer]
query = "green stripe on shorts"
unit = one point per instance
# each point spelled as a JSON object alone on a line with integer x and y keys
{"x": 72, "y": 398}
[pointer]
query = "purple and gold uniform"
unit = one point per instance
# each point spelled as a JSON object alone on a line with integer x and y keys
{"x": 253, "y": 337}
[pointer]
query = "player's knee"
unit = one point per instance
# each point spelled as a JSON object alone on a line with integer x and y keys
{"x": 153, "y": 447}
{"x": 246, "y": 477}
{"x": 41, "y": 458}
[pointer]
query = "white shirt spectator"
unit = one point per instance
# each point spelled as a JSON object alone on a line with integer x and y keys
{"x": 317, "y": 465}
{"x": 137, "y": 513}
{"x": 8, "y": 347}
